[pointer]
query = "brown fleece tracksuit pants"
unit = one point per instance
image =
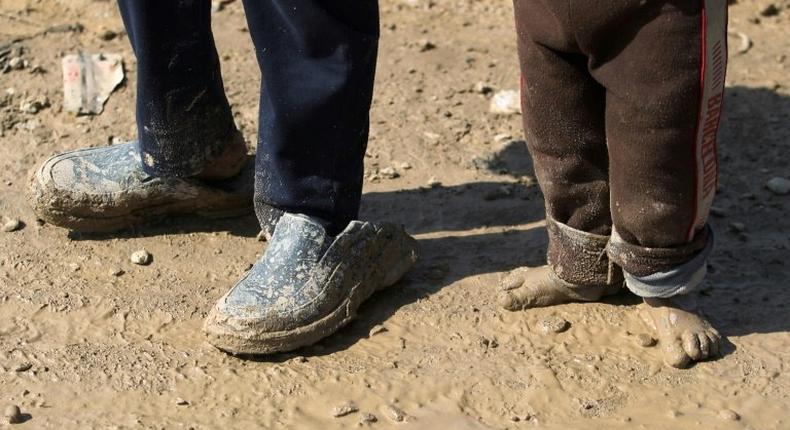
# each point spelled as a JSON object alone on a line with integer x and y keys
{"x": 622, "y": 100}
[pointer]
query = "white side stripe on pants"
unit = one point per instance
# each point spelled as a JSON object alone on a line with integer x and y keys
{"x": 713, "y": 65}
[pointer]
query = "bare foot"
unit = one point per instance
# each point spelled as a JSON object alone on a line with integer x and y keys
{"x": 682, "y": 333}
{"x": 229, "y": 163}
{"x": 537, "y": 287}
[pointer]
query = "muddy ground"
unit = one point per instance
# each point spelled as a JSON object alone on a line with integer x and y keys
{"x": 81, "y": 347}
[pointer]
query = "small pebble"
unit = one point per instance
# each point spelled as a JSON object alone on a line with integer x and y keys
{"x": 377, "y": 330}
{"x": 553, "y": 324}
{"x": 483, "y": 88}
{"x": 181, "y": 402}
{"x": 433, "y": 182}
{"x": 729, "y": 415}
{"x": 425, "y": 45}
{"x": 347, "y": 408}
{"x": 24, "y": 367}
{"x": 117, "y": 272}
{"x": 432, "y": 137}
{"x": 770, "y": 10}
{"x": 107, "y": 35}
{"x": 737, "y": 227}
{"x": 507, "y": 102}
{"x": 12, "y": 414}
{"x": 262, "y": 236}
{"x": 12, "y": 225}
{"x": 368, "y": 418}
{"x": 389, "y": 173}
{"x": 395, "y": 414}
{"x": 141, "y": 257}
{"x": 16, "y": 63}
{"x": 777, "y": 185}
{"x": 645, "y": 340}
{"x": 33, "y": 106}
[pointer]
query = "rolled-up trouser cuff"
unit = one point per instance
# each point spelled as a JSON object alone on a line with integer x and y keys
{"x": 579, "y": 257}
{"x": 664, "y": 280}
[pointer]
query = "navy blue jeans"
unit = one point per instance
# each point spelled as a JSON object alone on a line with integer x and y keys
{"x": 317, "y": 59}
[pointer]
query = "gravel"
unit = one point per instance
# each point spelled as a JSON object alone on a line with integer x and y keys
{"x": 553, "y": 324}
{"x": 777, "y": 185}
{"x": 12, "y": 225}
{"x": 141, "y": 258}
{"x": 344, "y": 409}
{"x": 12, "y": 414}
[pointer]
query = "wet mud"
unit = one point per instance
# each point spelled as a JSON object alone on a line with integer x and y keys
{"x": 88, "y": 339}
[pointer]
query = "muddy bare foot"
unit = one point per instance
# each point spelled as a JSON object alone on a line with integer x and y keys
{"x": 683, "y": 334}
{"x": 538, "y": 287}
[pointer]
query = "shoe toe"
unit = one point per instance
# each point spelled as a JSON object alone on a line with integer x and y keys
{"x": 307, "y": 285}
{"x": 60, "y": 172}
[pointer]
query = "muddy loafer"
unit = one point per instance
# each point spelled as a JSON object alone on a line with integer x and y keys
{"x": 307, "y": 285}
{"x": 102, "y": 189}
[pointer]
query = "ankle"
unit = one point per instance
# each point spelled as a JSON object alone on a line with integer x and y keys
{"x": 685, "y": 302}
{"x": 229, "y": 163}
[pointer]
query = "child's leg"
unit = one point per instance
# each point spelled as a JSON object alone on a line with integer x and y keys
{"x": 564, "y": 122}
{"x": 665, "y": 85}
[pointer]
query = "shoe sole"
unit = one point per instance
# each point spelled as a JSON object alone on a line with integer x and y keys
{"x": 212, "y": 204}
{"x": 398, "y": 256}
{"x": 139, "y": 217}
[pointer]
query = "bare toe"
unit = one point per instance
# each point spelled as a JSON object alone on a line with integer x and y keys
{"x": 691, "y": 345}
{"x": 675, "y": 355}
{"x": 510, "y": 301}
{"x": 715, "y": 343}
{"x": 687, "y": 335}
{"x": 705, "y": 345}
{"x": 539, "y": 286}
{"x": 511, "y": 281}
{"x": 510, "y": 296}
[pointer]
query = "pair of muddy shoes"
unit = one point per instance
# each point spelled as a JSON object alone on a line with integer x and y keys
{"x": 305, "y": 287}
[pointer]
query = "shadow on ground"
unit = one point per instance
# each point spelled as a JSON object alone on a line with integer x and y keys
{"x": 747, "y": 290}
{"x": 749, "y": 272}
{"x": 749, "y": 276}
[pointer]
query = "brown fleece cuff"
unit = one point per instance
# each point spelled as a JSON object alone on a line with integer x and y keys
{"x": 644, "y": 261}
{"x": 579, "y": 257}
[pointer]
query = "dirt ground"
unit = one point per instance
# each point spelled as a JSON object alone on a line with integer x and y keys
{"x": 81, "y": 347}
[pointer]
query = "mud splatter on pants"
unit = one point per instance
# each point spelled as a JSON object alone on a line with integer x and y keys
{"x": 622, "y": 100}
{"x": 317, "y": 58}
